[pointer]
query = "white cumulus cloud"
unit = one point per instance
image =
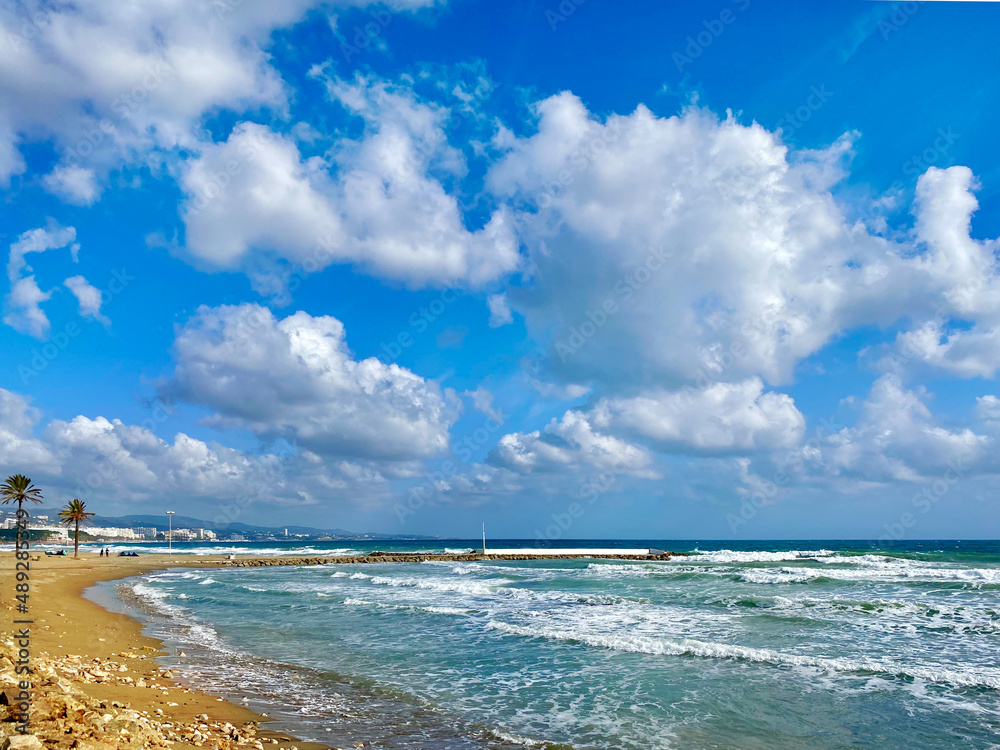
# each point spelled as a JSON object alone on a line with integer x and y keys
{"x": 721, "y": 418}
{"x": 296, "y": 378}
{"x": 88, "y": 297}
{"x": 254, "y": 204}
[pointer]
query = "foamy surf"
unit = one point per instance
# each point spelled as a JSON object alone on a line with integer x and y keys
{"x": 690, "y": 647}
{"x": 621, "y": 654}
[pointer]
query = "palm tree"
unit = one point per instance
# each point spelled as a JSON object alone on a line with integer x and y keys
{"x": 17, "y": 489}
{"x": 75, "y": 513}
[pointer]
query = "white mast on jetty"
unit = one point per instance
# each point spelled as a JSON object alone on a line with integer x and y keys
{"x": 484, "y": 537}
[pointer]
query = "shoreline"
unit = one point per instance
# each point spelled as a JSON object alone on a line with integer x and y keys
{"x": 96, "y": 682}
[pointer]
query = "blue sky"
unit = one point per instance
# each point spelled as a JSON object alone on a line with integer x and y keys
{"x": 699, "y": 270}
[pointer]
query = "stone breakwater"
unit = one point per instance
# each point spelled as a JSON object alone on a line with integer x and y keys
{"x": 398, "y": 557}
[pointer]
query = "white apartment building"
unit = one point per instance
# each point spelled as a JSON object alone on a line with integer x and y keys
{"x": 112, "y": 533}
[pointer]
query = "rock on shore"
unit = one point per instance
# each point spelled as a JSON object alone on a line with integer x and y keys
{"x": 64, "y": 716}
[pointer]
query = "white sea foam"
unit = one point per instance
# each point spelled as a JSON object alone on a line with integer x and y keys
{"x": 613, "y": 570}
{"x": 886, "y": 615}
{"x": 516, "y": 739}
{"x": 988, "y": 678}
{"x": 472, "y": 588}
{"x": 500, "y": 589}
{"x": 149, "y": 592}
{"x": 885, "y": 572}
{"x": 742, "y": 556}
{"x": 354, "y": 602}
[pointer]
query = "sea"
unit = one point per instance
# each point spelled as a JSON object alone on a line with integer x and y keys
{"x": 769, "y": 645}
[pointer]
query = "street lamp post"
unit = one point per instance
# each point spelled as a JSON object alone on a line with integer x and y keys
{"x": 170, "y": 532}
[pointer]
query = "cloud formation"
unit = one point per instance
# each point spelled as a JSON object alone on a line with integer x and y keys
{"x": 254, "y": 204}
{"x": 662, "y": 249}
{"x": 22, "y": 305}
{"x": 162, "y": 68}
{"x": 295, "y": 378}
{"x": 123, "y": 464}
{"x": 722, "y": 418}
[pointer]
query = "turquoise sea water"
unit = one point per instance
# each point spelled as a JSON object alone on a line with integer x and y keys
{"x": 751, "y": 645}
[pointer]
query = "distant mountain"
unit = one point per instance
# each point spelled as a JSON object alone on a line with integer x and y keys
{"x": 187, "y": 522}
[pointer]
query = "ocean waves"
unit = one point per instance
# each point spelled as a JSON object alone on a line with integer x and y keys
{"x": 689, "y": 647}
{"x": 623, "y": 654}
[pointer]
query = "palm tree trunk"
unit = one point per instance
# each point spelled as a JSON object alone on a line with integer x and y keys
{"x": 17, "y": 527}
{"x": 76, "y": 541}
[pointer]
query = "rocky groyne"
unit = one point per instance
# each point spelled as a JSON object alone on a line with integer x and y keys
{"x": 398, "y": 557}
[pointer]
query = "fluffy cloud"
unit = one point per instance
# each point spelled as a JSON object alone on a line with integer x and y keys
{"x": 161, "y": 68}
{"x": 896, "y": 439}
{"x": 23, "y": 304}
{"x": 18, "y": 446}
{"x": 296, "y": 378}
{"x": 24, "y": 313}
{"x": 664, "y": 248}
{"x": 969, "y": 353}
{"x": 74, "y": 184}
{"x": 89, "y": 298}
{"x": 959, "y": 334}
{"x": 988, "y": 408}
{"x": 499, "y": 311}
{"x": 108, "y": 459}
{"x": 722, "y": 418}
{"x": 36, "y": 241}
{"x": 567, "y": 443}
{"x": 11, "y": 161}
{"x": 254, "y": 204}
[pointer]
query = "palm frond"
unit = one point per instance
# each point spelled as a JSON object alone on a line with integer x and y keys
{"x": 17, "y": 489}
{"x": 75, "y": 512}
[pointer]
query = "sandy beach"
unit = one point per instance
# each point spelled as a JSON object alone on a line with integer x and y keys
{"x": 96, "y": 682}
